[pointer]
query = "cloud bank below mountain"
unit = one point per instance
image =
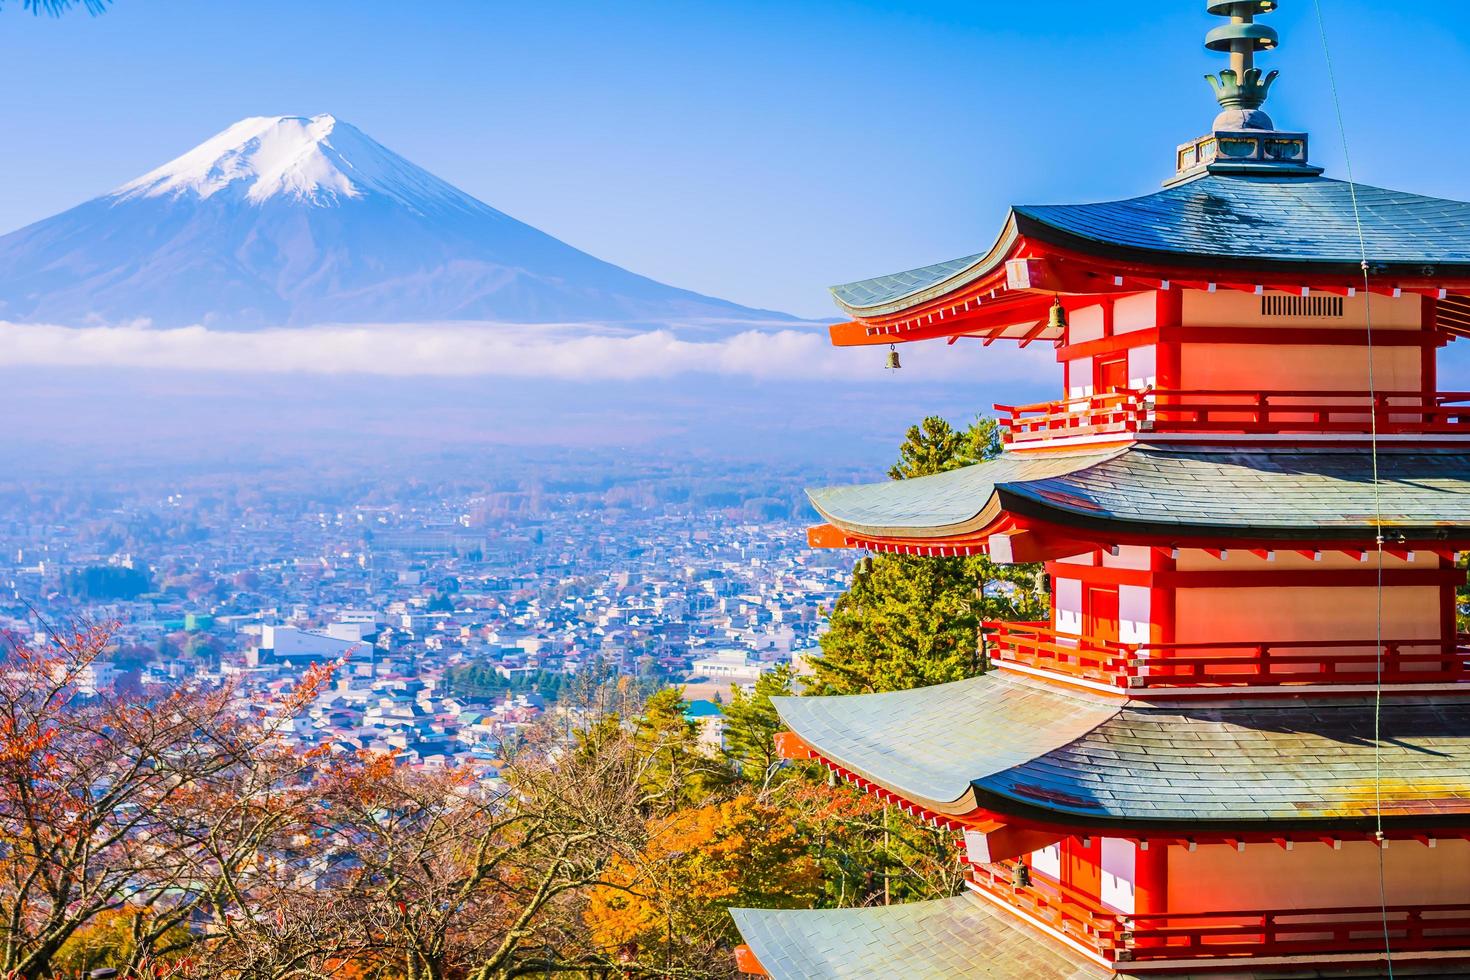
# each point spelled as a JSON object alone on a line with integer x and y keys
{"x": 569, "y": 352}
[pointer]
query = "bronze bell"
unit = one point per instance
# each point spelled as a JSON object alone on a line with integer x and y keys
{"x": 892, "y": 363}
{"x": 1058, "y": 318}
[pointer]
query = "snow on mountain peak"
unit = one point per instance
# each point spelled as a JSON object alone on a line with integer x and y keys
{"x": 318, "y": 160}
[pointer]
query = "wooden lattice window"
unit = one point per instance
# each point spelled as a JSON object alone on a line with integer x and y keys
{"x": 1279, "y": 305}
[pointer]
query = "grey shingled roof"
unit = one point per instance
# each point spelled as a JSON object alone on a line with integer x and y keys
{"x": 966, "y": 938}
{"x": 1020, "y": 747}
{"x": 1226, "y": 493}
{"x": 1222, "y": 220}
{"x": 937, "y": 756}
{"x": 885, "y": 289}
{"x": 963, "y": 938}
{"x": 1274, "y": 219}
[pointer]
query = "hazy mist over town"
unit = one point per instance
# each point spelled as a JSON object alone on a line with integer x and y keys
{"x": 290, "y": 399}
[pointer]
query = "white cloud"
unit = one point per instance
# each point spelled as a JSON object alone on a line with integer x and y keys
{"x": 568, "y": 352}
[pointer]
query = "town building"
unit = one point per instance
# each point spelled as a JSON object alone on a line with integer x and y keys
{"x": 1240, "y": 744}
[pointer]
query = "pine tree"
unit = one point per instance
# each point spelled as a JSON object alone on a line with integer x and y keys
{"x": 751, "y": 724}
{"x": 57, "y": 7}
{"x": 934, "y": 446}
{"x": 679, "y": 772}
{"x": 911, "y": 622}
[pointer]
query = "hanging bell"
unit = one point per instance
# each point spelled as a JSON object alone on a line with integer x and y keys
{"x": 1058, "y": 318}
{"x": 892, "y": 363}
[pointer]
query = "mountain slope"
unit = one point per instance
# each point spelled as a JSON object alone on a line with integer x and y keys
{"x": 294, "y": 221}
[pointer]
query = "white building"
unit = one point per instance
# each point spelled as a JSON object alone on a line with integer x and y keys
{"x": 734, "y": 666}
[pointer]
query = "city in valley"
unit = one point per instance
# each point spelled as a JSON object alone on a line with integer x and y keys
{"x": 456, "y": 614}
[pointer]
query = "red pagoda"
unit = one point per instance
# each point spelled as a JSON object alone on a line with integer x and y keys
{"x": 1240, "y": 745}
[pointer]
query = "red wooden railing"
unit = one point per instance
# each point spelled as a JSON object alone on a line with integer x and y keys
{"x": 1126, "y": 937}
{"x": 1059, "y": 906}
{"x": 1409, "y": 928}
{"x": 1213, "y": 411}
{"x": 1228, "y": 663}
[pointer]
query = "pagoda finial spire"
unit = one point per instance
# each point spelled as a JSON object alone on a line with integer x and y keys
{"x": 1241, "y": 89}
{"x": 1243, "y": 139}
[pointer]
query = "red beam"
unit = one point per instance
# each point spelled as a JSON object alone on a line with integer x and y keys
{"x": 1033, "y": 333}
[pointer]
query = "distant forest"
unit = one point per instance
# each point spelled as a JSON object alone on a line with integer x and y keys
{"x": 105, "y": 582}
{"x": 483, "y": 680}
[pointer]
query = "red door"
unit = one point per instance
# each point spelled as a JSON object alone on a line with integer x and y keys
{"x": 1111, "y": 375}
{"x": 1101, "y": 614}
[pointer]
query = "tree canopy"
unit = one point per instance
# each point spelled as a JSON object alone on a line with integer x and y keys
{"x": 56, "y": 8}
{"x": 910, "y": 622}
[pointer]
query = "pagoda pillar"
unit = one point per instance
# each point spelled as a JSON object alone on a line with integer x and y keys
{"x": 1151, "y": 879}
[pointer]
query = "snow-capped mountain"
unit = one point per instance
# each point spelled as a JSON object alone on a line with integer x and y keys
{"x": 289, "y": 220}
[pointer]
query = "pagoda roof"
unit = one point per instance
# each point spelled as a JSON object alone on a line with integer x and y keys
{"x": 1219, "y": 492}
{"x": 966, "y": 938}
{"x": 1223, "y": 221}
{"x": 1014, "y": 745}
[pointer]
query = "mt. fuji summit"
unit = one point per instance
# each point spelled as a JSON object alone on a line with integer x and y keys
{"x": 288, "y": 220}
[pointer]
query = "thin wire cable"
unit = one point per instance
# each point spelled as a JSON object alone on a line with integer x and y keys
{"x": 1377, "y": 500}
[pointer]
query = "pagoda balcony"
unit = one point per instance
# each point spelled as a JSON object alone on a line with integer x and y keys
{"x": 1235, "y": 413}
{"x": 1227, "y": 664}
{"x": 1122, "y": 937}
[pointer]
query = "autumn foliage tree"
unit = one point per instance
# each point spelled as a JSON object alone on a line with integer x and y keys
{"x": 670, "y": 898}
{"x": 150, "y": 804}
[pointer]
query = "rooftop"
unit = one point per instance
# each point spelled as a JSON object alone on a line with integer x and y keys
{"x": 1224, "y": 221}
{"x": 1013, "y": 745}
{"x": 963, "y": 938}
{"x": 1225, "y": 492}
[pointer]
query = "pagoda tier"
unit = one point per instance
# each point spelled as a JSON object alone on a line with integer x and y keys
{"x": 979, "y": 936}
{"x": 1153, "y": 836}
{"x": 1218, "y": 234}
{"x": 1165, "y": 495}
{"x": 1185, "y": 570}
{"x": 924, "y": 939}
{"x": 1033, "y": 753}
{"x": 970, "y": 937}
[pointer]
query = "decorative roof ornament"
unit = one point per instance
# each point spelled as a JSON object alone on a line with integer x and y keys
{"x": 1241, "y": 89}
{"x": 1242, "y": 98}
{"x": 1244, "y": 140}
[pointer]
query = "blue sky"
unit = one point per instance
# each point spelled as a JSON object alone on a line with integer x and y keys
{"x": 753, "y": 150}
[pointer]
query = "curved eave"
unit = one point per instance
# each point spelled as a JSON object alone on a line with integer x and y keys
{"x": 1023, "y": 749}
{"x": 1239, "y": 238}
{"x": 960, "y": 938}
{"x": 980, "y": 266}
{"x": 955, "y": 504}
{"x": 928, "y": 745}
{"x": 973, "y": 528}
{"x": 1151, "y": 493}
